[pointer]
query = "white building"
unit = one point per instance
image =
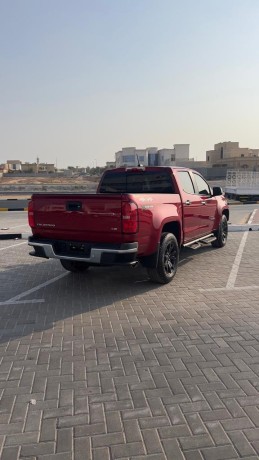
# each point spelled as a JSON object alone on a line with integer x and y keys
{"x": 151, "y": 156}
{"x": 166, "y": 157}
{"x": 14, "y": 165}
{"x": 130, "y": 156}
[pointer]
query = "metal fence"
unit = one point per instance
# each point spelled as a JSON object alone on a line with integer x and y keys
{"x": 236, "y": 178}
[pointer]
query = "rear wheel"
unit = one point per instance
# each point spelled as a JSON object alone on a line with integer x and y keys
{"x": 168, "y": 258}
{"x": 221, "y": 234}
{"x": 74, "y": 265}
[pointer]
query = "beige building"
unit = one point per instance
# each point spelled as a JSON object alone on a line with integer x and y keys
{"x": 38, "y": 168}
{"x": 4, "y": 168}
{"x": 15, "y": 166}
{"x": 230, "y": 155}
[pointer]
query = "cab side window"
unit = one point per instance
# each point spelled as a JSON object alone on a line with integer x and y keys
{"x": 186, "y": 182}
{"x": 203, "y": 187}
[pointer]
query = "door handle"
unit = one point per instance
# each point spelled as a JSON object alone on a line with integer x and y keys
{"x": 203, "y": 202}
{"x": 188, "y": 202}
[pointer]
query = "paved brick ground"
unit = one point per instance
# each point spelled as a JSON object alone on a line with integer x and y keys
{"x": 110, "y": 366}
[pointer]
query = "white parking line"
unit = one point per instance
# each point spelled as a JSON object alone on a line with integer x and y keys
{"x": 9, "y": 302}
{"x": 18, "y": 226}
{"x": 30, "y": 291}
{"x": 235, "y": 267}
{"x": 237, "y": 288}
{"x": 252, "y": 217}
{"x": 13, "y": 246}
{"x": 234, "y": 272}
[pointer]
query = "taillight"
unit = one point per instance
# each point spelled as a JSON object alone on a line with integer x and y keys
{"x": 31, "y": 214}
{"x": 129, "y": 217}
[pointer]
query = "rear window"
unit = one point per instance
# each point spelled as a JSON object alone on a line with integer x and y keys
{"x": 137, "y": 182}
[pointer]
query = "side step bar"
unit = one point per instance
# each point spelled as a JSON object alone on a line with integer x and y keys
{"x": 196, "y": 244}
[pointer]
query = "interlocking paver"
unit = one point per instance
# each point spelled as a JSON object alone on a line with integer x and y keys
{"x": 237, "y": 424}
{"x": 154, "y": 422}
{"x": 82, "y": 448}
{"x": 10, "y": 453}
{"x": 71, "y": 421}
{"x": 152, "y": 441}
{"x": 127, "y": 450}
{"x": 126, "y": 369}
{"x": 197, "y": 442}
{"x": 101, "y": 453}
{"x": 56, "y": 456}
{"x": 172, "y": 449}
{"x": 64, "y": 440}
{"x": 20, "y": 439}
{"x": 195, "y": 424}
{"x": 149, "y": 457}
{"x": 36, "y": 449}
{"x": 176, "y": 431}
{"x": 113, "y": 422}
{"x": 242, "y": 445}
{"x": 219, "y": 453}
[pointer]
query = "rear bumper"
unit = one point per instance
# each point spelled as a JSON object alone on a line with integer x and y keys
{"x": 92, "y": 253}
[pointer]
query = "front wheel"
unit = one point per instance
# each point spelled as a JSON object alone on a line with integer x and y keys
{"x": 74, "y": 265}
{"x": 221, "y": 234}
{"x": 168, "y": 258}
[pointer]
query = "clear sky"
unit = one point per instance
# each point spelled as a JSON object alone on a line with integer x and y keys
{"x": 80, "y": 79}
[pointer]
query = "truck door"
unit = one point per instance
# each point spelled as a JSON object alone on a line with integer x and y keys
{"x": 208, "y": 204}
{"x": 191, "y": 202}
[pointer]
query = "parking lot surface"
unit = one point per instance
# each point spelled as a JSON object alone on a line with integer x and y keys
{"x": 13, "y": 222}
{"x": 106, "y": 365}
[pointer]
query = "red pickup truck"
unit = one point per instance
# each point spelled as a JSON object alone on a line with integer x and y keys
{"x": 142, "y": 214}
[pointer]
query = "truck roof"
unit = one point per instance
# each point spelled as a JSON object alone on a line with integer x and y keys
{"x": 148, "y": 168}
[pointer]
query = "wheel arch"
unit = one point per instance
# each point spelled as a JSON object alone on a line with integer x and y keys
{"x": 225, "y": 212}
{"x": 173, "y": 227}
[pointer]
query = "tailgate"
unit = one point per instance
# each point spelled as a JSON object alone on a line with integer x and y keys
{"x": 81, "y": 215}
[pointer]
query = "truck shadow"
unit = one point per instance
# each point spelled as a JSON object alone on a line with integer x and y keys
{"x": 104, "y": 292}
{"x": 187, "y": 254}
{"x": 99, "y": 291}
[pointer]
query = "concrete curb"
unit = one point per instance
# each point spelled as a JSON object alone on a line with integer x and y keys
{"x": 242, "y": 202}
{"x": 13, "y": 209}
{"x": 235, "y": 203}
{"x": 243, "y": 228}
{"x": 14, "y": 204}
{"x": 14, "y": 236}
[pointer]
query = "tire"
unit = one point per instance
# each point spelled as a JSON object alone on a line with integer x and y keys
{"x": 221, "y": 234}
{"x": 74, "y": 265}
{"x": 168, "y": 258}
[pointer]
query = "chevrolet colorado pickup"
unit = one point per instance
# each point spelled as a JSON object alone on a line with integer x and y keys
{"x": 140, "y": 214}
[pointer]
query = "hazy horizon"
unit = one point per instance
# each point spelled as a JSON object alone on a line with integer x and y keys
{"x": 80, "y": 80}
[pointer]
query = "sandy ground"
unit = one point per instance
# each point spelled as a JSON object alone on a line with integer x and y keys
{"x": 46, "y": 180}
{"x": 21, "y": 184}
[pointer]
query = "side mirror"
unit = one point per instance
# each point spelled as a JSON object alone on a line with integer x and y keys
{"x": 217, "y": 191}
